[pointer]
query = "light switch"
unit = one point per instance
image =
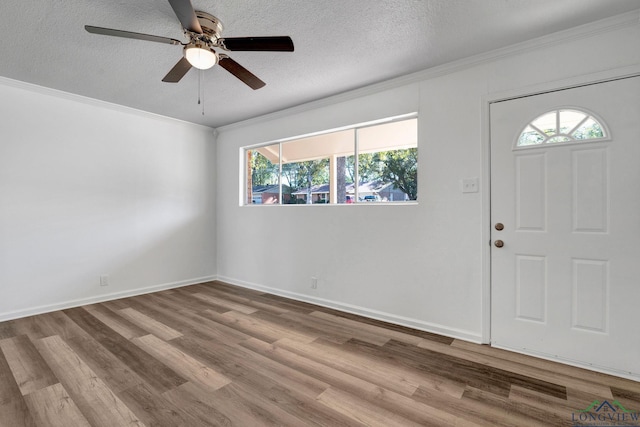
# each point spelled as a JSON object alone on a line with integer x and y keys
{"x": 470, "y": 185}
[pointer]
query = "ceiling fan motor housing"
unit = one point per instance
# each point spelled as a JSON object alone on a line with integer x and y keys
{"x": 211, "y": 26}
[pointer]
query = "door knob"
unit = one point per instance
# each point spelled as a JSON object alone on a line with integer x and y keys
{"x": 499, "y": 226}
{"x": 498, "y": 243}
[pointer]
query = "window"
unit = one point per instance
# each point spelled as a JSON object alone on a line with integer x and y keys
{"x": 561, "y": 126}
{"x": 263, "y": 186}
{"x": 372, "y": 163}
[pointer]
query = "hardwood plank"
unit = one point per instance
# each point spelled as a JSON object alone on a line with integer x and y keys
{"x": 267, "y": 381}
{"x": 520, "y": 368}
{"x": 229, "y": 406}
{"x": 311, "y": 367}
{"x": 116, "y": 321}
{"x": 324, "y": 330}
{"x": 519, "y": 413}
{"x": 187, "y": 299}
{"x": 239, "y": 362}
{"x": 478, "y": 375}
{"x": 7, "y": 330}
{"x": 557, "y": 368}
{"x": 278, "y": 301}
{"x": 53, "y": 407}
{"x": 154, "y": 410}
{"x": 246, "y": 327}
{"x": 303, "y": 326}
{"x": 186, "y": 365}
{"x": 29, "y": 369}
{"x": 237, "y": 399}
{"x": 202, "y": 407}
{"x": 149, "y": 324}
{"x": 384, "y": 375}
{"x": 464, "y": 409}
{"x": 309, "y": 411}
{"x": 420, "y": 367}
{"x": 337, "y": 329}
{"x": 237, "y": 290}
{"x": 95, "y": 400}
{"x": 13, "y": 409}
{"x": 251, "y": 302}
{"x": 15, "y": 413}
{"x": 31, "y": 327}
{"x": 252, "y": 323}
{"x": 377, "y": 330}
{"x": 156, "y": 374}
{"x": 382, "y": 397}
{"x": 630, "y": 399}
{"x": 390, "y": 326}
{"x": 9, "y": 389}
{"x": 114, "y": 372}
{"x": 559, "y": 408}
{"x": 186, "y": 321}
{"x": 581, "y": 399}
{"x": 231, "y": 305}
{"x": 361, "y": 410}
{"x": 416, "y": 411}
{"x": 57, "y": 323}
{"x": 117, "y": 304}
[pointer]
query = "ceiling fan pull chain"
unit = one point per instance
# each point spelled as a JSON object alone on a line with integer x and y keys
{"x": 201, "y": 89}
{"x": 199, "y": 84}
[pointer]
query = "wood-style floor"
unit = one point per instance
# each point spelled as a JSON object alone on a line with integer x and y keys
{"x": 215, "y": 354}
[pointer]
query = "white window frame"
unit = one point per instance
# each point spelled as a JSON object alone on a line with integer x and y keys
{"x": 280, "y": 142}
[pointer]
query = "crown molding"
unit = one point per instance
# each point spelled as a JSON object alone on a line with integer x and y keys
{"x": 55, "y": 93}
{"x": 625, "y": 20}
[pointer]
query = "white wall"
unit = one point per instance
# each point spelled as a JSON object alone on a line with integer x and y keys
{"x": 88, "y": 189}
{"x": 421, "y": 265}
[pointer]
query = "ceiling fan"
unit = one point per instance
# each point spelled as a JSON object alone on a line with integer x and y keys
{"x": 204, "y": 33}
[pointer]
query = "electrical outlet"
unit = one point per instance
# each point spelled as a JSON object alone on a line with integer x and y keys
{"x": 314, "y": 283}
{"x": 104, "y": 280}
{"x": 470, "y": 185}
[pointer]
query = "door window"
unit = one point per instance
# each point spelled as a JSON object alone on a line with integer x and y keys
{"x": 561, "y": 126}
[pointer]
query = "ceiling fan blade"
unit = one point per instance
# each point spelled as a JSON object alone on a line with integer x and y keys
{"x": 178, "y": 71}
{"x": 274, "y": 44}
{"x": 130, "y": 35}
{"x": 186, "y": 15}
{"x": 240, "y": 72}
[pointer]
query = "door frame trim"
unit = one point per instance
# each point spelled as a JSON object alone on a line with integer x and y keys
{"x": 486, "y": 101}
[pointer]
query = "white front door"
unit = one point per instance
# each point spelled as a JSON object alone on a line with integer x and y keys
{"x": 566, "y": 282}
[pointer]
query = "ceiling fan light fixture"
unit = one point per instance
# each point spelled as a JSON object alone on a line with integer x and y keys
{"x": 203, "y": 32}
{"x": 200, "y": 56}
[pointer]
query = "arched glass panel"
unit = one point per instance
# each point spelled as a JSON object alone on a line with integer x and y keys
{"x": 561, "y": 126}
{"x": 588, "y": 130}
{"x": 529, "y": 136}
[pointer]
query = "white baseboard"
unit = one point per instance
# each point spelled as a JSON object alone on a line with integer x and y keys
{"x": 101, "y": 298}
{"x": 362, "y": 311}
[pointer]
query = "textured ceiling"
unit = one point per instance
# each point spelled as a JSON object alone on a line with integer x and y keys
{"x": 340, "y": 45}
